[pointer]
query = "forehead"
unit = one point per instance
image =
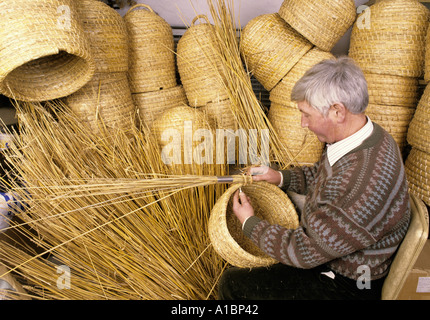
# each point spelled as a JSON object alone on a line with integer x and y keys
{"x": 304, "y": 106}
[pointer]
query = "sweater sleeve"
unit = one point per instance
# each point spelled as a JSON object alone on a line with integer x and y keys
{"x": 298, "y": 179}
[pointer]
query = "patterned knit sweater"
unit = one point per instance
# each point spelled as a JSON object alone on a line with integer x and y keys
{"x": 356, "y": 212}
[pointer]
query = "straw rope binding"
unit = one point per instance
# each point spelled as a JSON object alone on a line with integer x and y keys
{"x": 152, "y": 64}
{"x": 225, "y": 232}
{"x": 417, "y": 167}
{"x": 419, "y": 128}
{"x": 394, "y": 43}
{"x": 323, "y": 23}
{"x": 107, "y": 34}
{"x": 270, "y": 48}
{"x": 54, "y": 57}
{"x": 200, "y": 63}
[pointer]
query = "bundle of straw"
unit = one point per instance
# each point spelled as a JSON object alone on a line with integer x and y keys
{"x": 147, "y": 242}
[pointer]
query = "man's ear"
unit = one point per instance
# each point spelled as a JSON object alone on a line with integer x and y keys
{"x": 339, "y": 111}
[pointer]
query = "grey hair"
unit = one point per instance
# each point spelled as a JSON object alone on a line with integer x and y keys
{"x": 331, "y": 81}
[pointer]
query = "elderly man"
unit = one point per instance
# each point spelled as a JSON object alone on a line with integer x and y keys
{"x": 356, "y": 209}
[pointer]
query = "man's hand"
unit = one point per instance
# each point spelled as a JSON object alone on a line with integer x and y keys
{"x": 242, "y": 207}
{"x": 265, "y": 173}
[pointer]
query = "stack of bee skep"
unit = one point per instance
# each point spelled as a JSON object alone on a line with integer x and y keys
{"x": 388, "y": 43}
{"x": 418, "y": 160}
{"x": 279, "y": 48}
{"x": 200, "y": 69}
{"x": 152, "y": 64}
{"x": 105, "y": 101}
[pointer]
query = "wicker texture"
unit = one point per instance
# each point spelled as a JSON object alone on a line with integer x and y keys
{"x": 105, "y": 101}
{"x": 152, "y": 105}
{"x": 221, "y": 114}
{"x": 281, "y": 93}
{"x": 270, "y": 48}
{"x": 419, "y": 128}
{"x": 301, "y": 143}
{"x": 394, "y": 119}
{"x": 199, "y": 63}
{"x": 395, "y": 42}
{"x": 323, "y": 23}
{"x": 392, "y": 90}
{"x": 44, "y": 53}
{"x": 427, "y": 58}
{"x": 107, "y": 34}
{"x": 417, "y": 167}
{"x": 152, "y": 64}
{"x": 177, "y": 119}
{"x": 225, "y": 231}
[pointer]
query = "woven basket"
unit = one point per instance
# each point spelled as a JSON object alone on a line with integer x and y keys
{"x": 105, "y": 101}
{"x": 419, "y": 128}
{"x": 221, "y": 114}
{"x": 225, "y": 232}
{"x": 270, "y": 48}
{"x": 302, "y": 144}
{"x": 394, "y": 119}
{"x": 199, "y": 64}
{"x": 418, "y": 174}
{"x": 281, "y": 93}
{"x": 323, "y": 23}
{"x": 392, "y": 90}
{"x": 151, "y": 105}
{"x": 44, "y": 53}
{"x": 427, "y": 58}
{"x": 152, "y": 64}
{"x": 107, "y": 33}
{"x": 395, "y": 42}
{"x": 185, "y": 120}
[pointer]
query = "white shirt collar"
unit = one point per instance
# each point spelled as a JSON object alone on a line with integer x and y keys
{"x": 337, "y": 150}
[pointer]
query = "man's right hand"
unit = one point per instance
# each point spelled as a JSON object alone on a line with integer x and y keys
{"x": 265, "y": 173}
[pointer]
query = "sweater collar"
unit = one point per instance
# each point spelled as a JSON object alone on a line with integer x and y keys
{"x": 337, "y": 150}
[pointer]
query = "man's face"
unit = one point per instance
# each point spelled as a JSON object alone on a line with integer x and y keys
{"x": 322, "y": 126}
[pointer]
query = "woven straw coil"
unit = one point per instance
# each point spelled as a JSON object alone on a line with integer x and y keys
{"x": 417, "y": 167}
{"x": 151, "y": 105}
{"x": 179, "y": 119}
{"x": 392, "y": 90}
{"x": 152, "y": 63}
{"x": 107, "y": 33}
{"x": 301, "y": 143}
{"x": 199, "y": 63}
{"x": 44, "y": 53}
{"x": 395, "y": 42}
{"x": 270, "y": 48}
{"x": 394, "y": 119}
{"x": 427, "y": 58}
{"x": 419, "y": 128}
{"x": 221, "y": 114}
{"x": 281, "y": 93}
{"x": 323, "y": 23}
{"x": 105, "y": 101}
{"x": 225, "y": 232}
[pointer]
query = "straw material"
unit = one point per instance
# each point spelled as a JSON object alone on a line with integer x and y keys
{"x": 152, "y": 63}
{"x": 107, "y": 34}
{"x": 199, "y": 63}
{"x": 221, "y": 114}
{"x": 270, "y": 48}
{"x": 281, "y": 93}
{"x": 179, "y": 119}
{"x": 225, "y": 232}
{"x": 300, "y": 142}
{"x": 394, "y": 119}
{"x": 105, "y": 101}
{"x": 419, "y": 128}
{"x": 395, "y": 42}
{"x": 427, "y": 58}
{"x": 54, "y": 57}
{"x": 392, "y": 90}
{"x": 151, "y": 105}
{"x": 417, "y": 168}
{"x": 323, "y": 23}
